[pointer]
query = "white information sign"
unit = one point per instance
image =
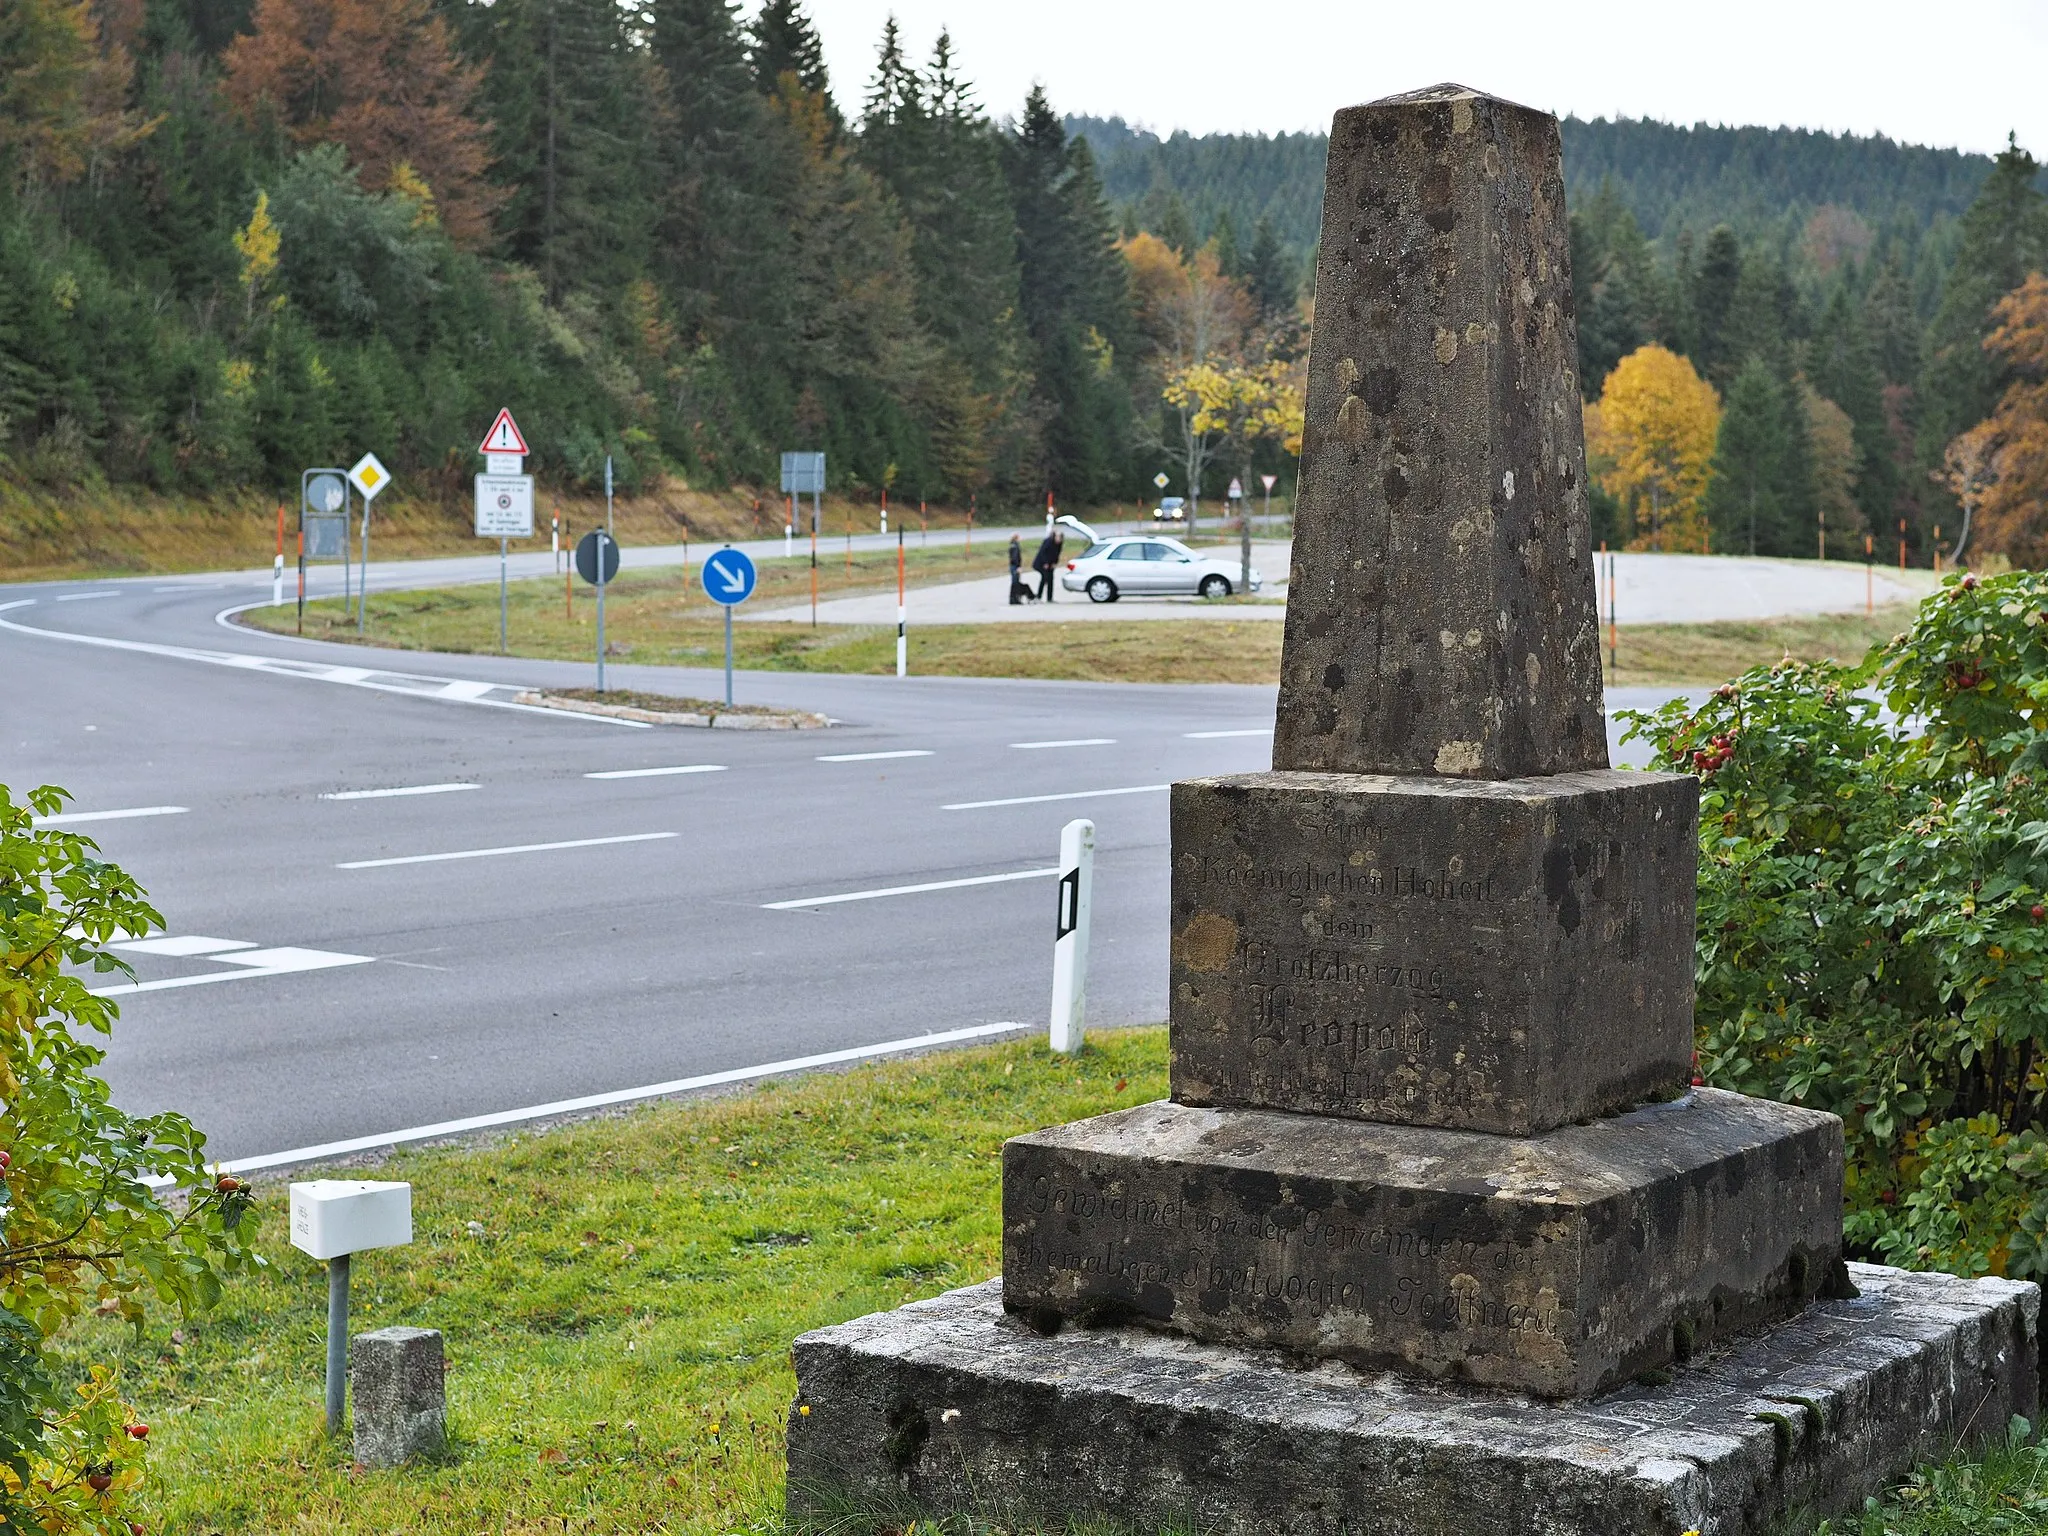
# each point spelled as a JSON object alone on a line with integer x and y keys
{"x": 504, "y": 506}
{"x": 504, "y": 463}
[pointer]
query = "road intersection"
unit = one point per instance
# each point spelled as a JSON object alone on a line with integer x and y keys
{"x": 396, "y": 901}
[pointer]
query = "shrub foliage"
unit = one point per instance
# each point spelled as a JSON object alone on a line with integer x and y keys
{"x": 98, "y": 1209}
{"x": 1872, "y": 930}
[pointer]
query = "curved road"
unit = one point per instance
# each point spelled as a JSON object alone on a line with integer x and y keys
{"x": 561, "y": 908}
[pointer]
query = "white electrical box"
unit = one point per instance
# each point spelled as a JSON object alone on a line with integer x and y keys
{"x": 331, "y": 1217}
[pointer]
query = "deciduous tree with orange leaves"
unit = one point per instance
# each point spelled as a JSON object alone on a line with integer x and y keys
{"x": 381, "y": 78}
{"x": 1999, "y": 468}
{"x": 1650, "y": 442}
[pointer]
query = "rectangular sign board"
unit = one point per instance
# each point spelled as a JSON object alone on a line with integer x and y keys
{"x": 326, "y": 536}
{"x": 504, "y": 506}
{"x": 803, "y": 473}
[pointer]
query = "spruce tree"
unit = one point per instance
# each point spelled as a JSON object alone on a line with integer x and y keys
{"x": 1228, "y": 261}
{"x": 1842, "y": 365}
{"x": 784, "y": 42}
{"x": 1712, "y": 292}
{"x": 2004, "y": 236}
{"x": 1270, "y": 274}
{"x": 1892, "y": 325}
{"x": 1745, "y": 501}
{"x": 1075, "y": 302}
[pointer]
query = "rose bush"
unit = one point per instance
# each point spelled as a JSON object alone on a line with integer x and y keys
{"x": 98, "y": 1209}
{"x": 1873, "y": 923}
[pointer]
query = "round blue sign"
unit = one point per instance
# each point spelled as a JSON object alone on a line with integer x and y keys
{"x": 729, "y": 577}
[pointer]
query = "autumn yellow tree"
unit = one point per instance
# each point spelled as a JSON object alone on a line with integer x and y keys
{"x": 63, "y": 91}
{"x": 1650, "y": 442}
{"x": 1999, "y": 468}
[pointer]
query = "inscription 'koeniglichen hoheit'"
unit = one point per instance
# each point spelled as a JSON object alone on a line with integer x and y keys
{"x": 1442, "y": 615}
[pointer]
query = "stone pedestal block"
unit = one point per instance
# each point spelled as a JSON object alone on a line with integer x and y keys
{"x": 1556, "y": 1265}
{"x": 401, "y": 1403}
{"x": 1506, "y": 955}
{"x": 949, "y": 1407}
{"x": 1441, "y": 617}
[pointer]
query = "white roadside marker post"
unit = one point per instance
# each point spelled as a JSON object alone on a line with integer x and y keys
{"x": 902, "y": 640}
{"x": 1070, "y": 937}
{"x": 333, "y": 1219}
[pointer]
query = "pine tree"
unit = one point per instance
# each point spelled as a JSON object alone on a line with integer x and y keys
{"x": 1225, "y": 238}
{"x": 1270, "y": 274}
{"x": 1075, "y": 302}
{"x": 1892, "y": 325}
{"x": 786, "y": 43}
{"x": 1712, "y": 292}
{"x": 1745, "y": 500}
{"x": 2004, "y": 236}
{"x": 1755, "y": 323}
{"x": 1843, "y": 367}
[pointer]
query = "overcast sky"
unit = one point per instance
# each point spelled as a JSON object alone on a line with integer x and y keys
{"x": 1945, "y": 72}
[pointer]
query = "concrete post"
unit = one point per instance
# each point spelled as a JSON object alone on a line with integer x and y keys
{"x": 401, "y": 1402}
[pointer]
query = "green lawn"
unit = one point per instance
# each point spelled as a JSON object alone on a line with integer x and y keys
{"x": 619, "y": 1297}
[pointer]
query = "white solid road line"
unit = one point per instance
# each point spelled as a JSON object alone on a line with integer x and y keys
{"x": 333, "y": 1149}
{"x": 492, "y": 853}
{"x": 1264, "y": 730}
{"x": 1074, "y": 794}
{"x": 908, "y": 890}
{"x": 655, "y": 773}
{"x": 389, "y": 794}
{"x": 1081, "y": 741}
{"x": 80, "y": 597}
{"x": 73, "y": 818}
{"x": 871, "y": 757}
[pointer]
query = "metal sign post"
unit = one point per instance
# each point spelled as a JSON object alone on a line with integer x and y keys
{"x": 597, "y": 562}
{"x": 370, "y": 478}
{"x": 806, "y": 472}
{"x": 729, "y": 577}
{"x": 323, "y": 527}
{"x": 1070, "y": 936}
{"x": 608, "y": 498}
{"x": 504, "y": 502}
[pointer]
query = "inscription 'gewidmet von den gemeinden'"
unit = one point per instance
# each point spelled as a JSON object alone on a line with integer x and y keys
{"x": 1450, "y": 1289}
{"x": 1400, "y": 882}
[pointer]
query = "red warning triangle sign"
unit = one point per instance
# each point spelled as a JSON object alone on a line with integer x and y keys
{"x": 503, "y": 437}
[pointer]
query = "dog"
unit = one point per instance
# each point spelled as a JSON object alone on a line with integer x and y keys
{"x": 1021, "y": 591}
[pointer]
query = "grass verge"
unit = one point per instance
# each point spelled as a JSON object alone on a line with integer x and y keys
{"x": 618, "y": 1297}
{"x": 662, "y": 617}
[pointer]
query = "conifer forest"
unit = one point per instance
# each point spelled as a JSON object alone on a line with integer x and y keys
{"x": 240, "y": 237}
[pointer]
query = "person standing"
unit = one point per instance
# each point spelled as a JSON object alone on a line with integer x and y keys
{"x": 1016, "y": 571}
{"x": 1046, "y": 561}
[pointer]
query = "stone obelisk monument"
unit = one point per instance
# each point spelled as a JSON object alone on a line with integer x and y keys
{"x": 1434, "y": 1234}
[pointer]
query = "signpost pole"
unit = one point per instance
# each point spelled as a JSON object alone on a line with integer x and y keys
{"x": 363, "y": 585}
{"x": 337, "y": 1341}
{"x": 501, "y": 597}
{"x": 600, "y": 613}
{"x": 608, "y": 504}
{"x": 344, "y": 557}
{"x": 728, "y": 656}
{"x": 302, "y": 581}
{"x": 902, "y": 643}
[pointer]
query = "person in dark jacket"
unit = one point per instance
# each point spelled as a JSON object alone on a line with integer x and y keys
{"x": 1046, "y": 561}
{"x": 1016, "y": 570}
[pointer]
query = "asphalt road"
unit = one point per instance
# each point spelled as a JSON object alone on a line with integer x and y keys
{"x": 392, "y": 966}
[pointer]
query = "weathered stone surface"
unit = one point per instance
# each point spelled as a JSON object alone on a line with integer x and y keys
{"x": 1442, "y": 615}
{"x": 1502, "y": 955}
{"x": 1556, "y": 1265}
{"x": 949, "y": 1407}
{"x": 401, "y": 1404}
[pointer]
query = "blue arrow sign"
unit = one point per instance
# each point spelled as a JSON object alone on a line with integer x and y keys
{"x": 729, "y": 577}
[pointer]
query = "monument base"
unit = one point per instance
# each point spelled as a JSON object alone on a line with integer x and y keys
{"x": 950, "y": 1407}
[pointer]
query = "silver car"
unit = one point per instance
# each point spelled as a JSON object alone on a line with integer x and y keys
{"x": 1150, "y": 566}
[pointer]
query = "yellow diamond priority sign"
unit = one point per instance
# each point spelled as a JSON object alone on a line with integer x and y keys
{"x": 369, "y": 476}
